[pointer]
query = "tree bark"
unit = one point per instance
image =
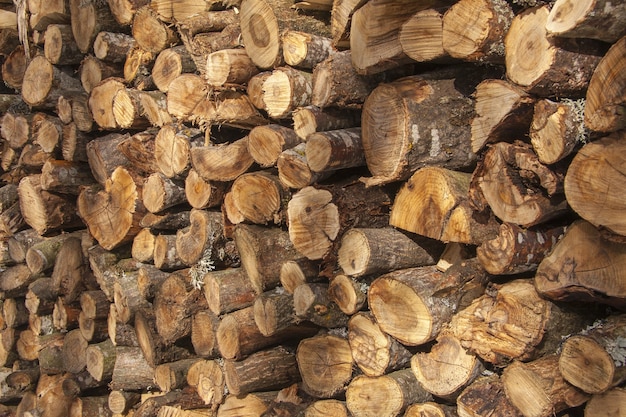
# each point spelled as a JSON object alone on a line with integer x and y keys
{"x": 584, "y": 19}
{"x": 333, "y": 150}
{"x": 484, "y": 397}
{"x": 311, "y": 119}
{"x": 228, "y": 290}
{"x": 89, "y": 18}
{"x": 266, "y": 142}
{"x": 44, "y": 83}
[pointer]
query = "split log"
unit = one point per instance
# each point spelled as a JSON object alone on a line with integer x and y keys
{"x": 43, "y": 14}
{"x": 605, "y": 95}
{"x": 537, "y": 388}
{"x": 591, "y": 360}
{"x": 374, "y": 351}
{"x": 311, "y": 119}
{"x": 386, "y": 395}
{"x": 16, "y": 129}
{"x": 238, "y": 335}
{"x": 504, "y": 111}
{"x": 101, "y": 102}
{"x": 474, "y": 30}
{"x": 434, "y": 203}
{"x": 128, "y": 108}
{"x": 150, "y": 33}
{"x": 571, "y": 270}
{"x": 138, "y": 68}
{"x": 112, "y": 214}
{"x": 172, "y": 146}
{"x": 44, "y": 83}
{"x": 541, "y": 68}
{"x": 266, "y": 142}
{"x": 591, "y": 179}
{"x": 261, "y": 265}
{"x": 251, "y": 404}
{"x": 516, "y": 186}
{"x": 516, "y": 250}
{"x": 88, "y": 18}
{"x": 265, "y": 370}
{"x": 587, "y": 19}
{"x": 447, "y": 369}
{"x": 325, "y": 363}
{"x": 420, "y": 130}
{"x": 374, "y": 251}
{"x": 535, "y": 327}
{"x": 222, "y": 162}
{"x": 556, "y": 129}
{"x": 484, "y": 397}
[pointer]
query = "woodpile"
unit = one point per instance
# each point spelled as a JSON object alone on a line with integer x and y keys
{"x": 214, "y": 208}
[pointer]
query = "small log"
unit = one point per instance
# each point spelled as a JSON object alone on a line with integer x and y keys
{"x": 605, "y": 94}
{"x": 589, "y": 183}
{"x": 374, "y": 351}
{"x": 143, "y": 246}
{"x": 101, "y": 102}
{"x": 603, "y": 405}
{"x": 325, "y": 363}
{"x": 488, "y": 20}
{"x": 285, "y": 90}
{"x": 311, "y": 119}
{"x": 229, "y": 66}
{"x": 322, "y": 408}
{"x": 222, "y": 162}
{"x": 228, "y": 290}
{"x": 202, "y": 194}
{"x": 207, "y": 377}
{"x": 44, "y": 83}
{"x": 312, "y": 303}
{"x": 421, "y": 37}
{"x": 65, "y": 177}
{"x": 385, "y": 395}
{"x": 591, "y": 360}
{"x": 259, "y": 197}
{"x": 131, "y": 371}
{"x": 204, "y": 240}
{"x": 74, "y": 351}
{"x": 160, "y": 193}
{"x": 88, "y": 18}
{"x": 112, "y": 46}
{"x": 430, "y": 409}
{"x": 516, "y": 186}
{"x": 571, "y": 270}
{"x": 374, "y": 251}
{"x": 138, "y": 68}
{"x": 274, "y": 311}
{"x": 121, "y": 401}
{"x": 539, "y": 69}
{"x": 100, "y": 358}
{"x": 14, "y": 67}
{"x": 265, "y": 370}
{"x": 93, "y": 71}
{"x": 251, "y": 404}
{"x": 169, "y": 64}
{"x": 516, "y": 250}
{"x": 587, "y": 19}
{"x": 335, "y": 149}
{"x": 59, "y": 45}
{"x": 203, "y": 329}
{"x": 447, "y": 369}
{"x": 434, "y": 203}
{"x": 171, "y": 149}
{"x": 184, "y": 93}
{"x": 305, "y": 50}
{"x": 150, "y": 33}
{"x": 503, "y": 111}
{"x": 349, "y": 295}
{"x": 538, "y": 388}
{"x": 173, "y": 376}
{"x": 293, "y": 169}
{"x": 298, "y": 271}
{"x": 484, "y": 397}
{"x": 266, "y": 142}
{"x": 154, "y": 349}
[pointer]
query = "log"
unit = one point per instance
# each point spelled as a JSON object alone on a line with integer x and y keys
{"x": 202, "y": 194}
{"x": 173, "y": 376}
{"x": 14, "y": 67}
{"x": 286, "y": 89}
{"x": 489, "y": 22}
{"x": 298, "y": 271}
{"x": 434, "y": 203}
{"x": 203, "y": 328}
{"x": 266, "y": 142}
{"x": 44, "y": 83}
{"x": 540, "y": 69}
{"x": 93, "y": 71}
{"x": 204, "y": 241}
{"x": 65, "y": 177}
{"x": 150, "y": 33}
{"x": 605, "y": 404}
{"x": 59, "y": 45}
{"x": 171, "y": 149}
{"x": 335, "y": 149}
{"x": 325, "y": 363}
{"x": 516, "y": 186}
{"x": 222, "y": 162}
{"x": 387, "y": 395}
{"x": 371, "y": 251}
{"x": 590, "y": 360}
{"x": 312, "y": 303}
{"x": 557, "y": 128}
{"x": 165, "y": 254}
{"x": 538, "y": 388}
{"x": 101, "y": 102}
{"x": 228, "y": 290}
{"x": 421, "y": 37}
{"x": 349, "y": 295}
{"x": 430, "y": 409}
{"x": 566, "y": 273}
{"x": 327, "y": 408}
{"x": 304, "y": 50}
{"x": 258, "y": 197}
{"x": 274, "y": 311}
{"x": 100, "y": 358}
{"x": 374, "y": 351}
{"x": 229, "y": 66}
{"x": 484, "y": 397}
{"x": 88, "y": 18}
{"x": 112, "y": 46}
{"x": 185, "y": 92}
{"x": 169, "y": 64}
{"x": 589, "y": 183}
{"x": 311, "y": 119}
{"x": 160, "y": 193}
{"x": 584, "y": 20}
{"x": 605, "y": 93}
{"x": 265, "y": 370}
{"x": 43, "y": 14}
{"x": 293, "y": 169}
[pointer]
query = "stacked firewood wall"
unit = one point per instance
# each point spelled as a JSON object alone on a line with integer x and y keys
{"x": 321, "y": 208}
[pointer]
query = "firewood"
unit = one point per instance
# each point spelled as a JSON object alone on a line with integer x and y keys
{"x": 285, "y": 90}
{"x": 65, "y": 177}
{"x": 374, "y": 351}
{"x": 605, "y": 93}
{"x": 81, "y": 115}
{"x": 222, "y": 162}
{"x": 311, "y": 119}
{"x": 165, "y": 255}
{"x": 590, "y": 360}
{"x": 490, "y": 22}
{"x": 16, "y": 129}
{"x": 129, "y": 111}
{"x": 564, "y": 273}
{"x": 185, "y": 92}
{"x": 121, "y": 401}
{"x": 265, "y": 370}
{"x": 484, "y": 397}
{"x": 322, "y": 353}
{"x": 312, "y": 303}
{"x": 44, "y": 83}
{"x": 150, "y": 33}
{"x": 101, "y": 102}
{"x": 112, "y": 46}
{"x": 592, "y": 170}
{"x": 385, "y": 395}
{"x": 305, "y": 50}
{"x": 227, "y": 290}
{"x": 538, "y": 388}
{"x": 266, "y": 142}
{"x": 539, "y": 69}
{"x": 274, "y": 311}
{"x": 169, "y": 64}
{"x": 430, "y": 409}
{"x": 298, "y": 271}
{"x": 138, "y": 68}
{"x": 293, "y": 169}
{"x": 238, "y": 335}
{"x": 251, "y": 404}
{"x": 207, "y": 377}
{"x": 207, "y": 21}
{"x": 170, "y": 220}
{"x": 349, "y": 295}
{"x": 50, "y": 395}
{"x": 516, "y": 186}
{"x": 335, "y": 149}
{"x": 503, "y": 111}
{"x": 229, "y": 66}
{"x": 172, "y": 376}
{"x": 46, "y": 132}
{"x": 88, "y": 19}
{"x": 516, "y": 250}
{"x": 14, "y": 67}
{"x": 259, "y": 197}
{"x": 202, "y": 194}
{"x": 421, "y": 37}
{"x": 447, "y": 369}
{"x": 204, "y": 240}
{"x": 434, "y": 203}
{"x": 43, "y": 14}
{"x": 327, "y": 408}
{"x": 160, "y": 193}
{"x": 584, "y": 20}
{"x": 60, "y": 47}
{"x": 605, "y": 404}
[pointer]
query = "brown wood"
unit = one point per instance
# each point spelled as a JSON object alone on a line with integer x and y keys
{"x": 165, "y": 254}
{"x": 150, "y": 33}
{"x": 14, "y": 67}
{"x": 154, "y": 350}
{"x": 588, "y": 360}
{"x": 484, "y": 397}
{"x": 222, "y": 162}
{"x": 285, "y": 90}
{"x": 204, "y": 241}
{"x": 434, "y": 203}
{"x": 293, "y": 169}
{"x": 584, "y": 19}
{"x": 101, "y": 102}
{"x": 93, "y": 71}
{"x": 202, "y": 194}
{"x": 266, "y": 142}
{"x": 421, "y": 37}
{"x": 538, "y": 388}
{"x": 325, "y": 363}
{"x": 259, "y": 197}
{"x": 349, "y": 295}
{"x": 588, "y": 183}
{"x": 59, "y": 45}
{"x": 305, "y": 50}
{"x": 207, "y": 377}
{"x": 229, "y": 66}
{"x": 169, "y": 64}
{"x": 374, "y": 351}
{"x": 516, "y": 186}
{"x": 540, "y": 69}
{"x": 311, "y": 119}
{"x": 430, "y": 409}
{"x": 112, "y": 46}
{"x": 227, "y": 290}
{"x": 274, "y": 311}
{"x": 605, "y": 404}
{"x": 385, "y": 395}
{"x": 44, "y": 83}
{"x": 313, "y": 303}
{"x": 605, "y": 92}
{"x": 262, "y": 371}
{"x": 298, "y": 271}
{"x": 88, "y": 18}
{"x": 160, "y": 193}
{"x": 131, "y": 371}
{"x": 172, "y": 376}
{"x": 335, "y": 149}
{"x": 203, "y": 328}
{"x": 138, "y": 68}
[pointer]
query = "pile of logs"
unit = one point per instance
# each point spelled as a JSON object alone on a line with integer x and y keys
{"x": 314, "y": 208}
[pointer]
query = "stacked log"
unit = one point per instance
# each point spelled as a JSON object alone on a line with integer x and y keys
{"x": 339, "y": 208}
